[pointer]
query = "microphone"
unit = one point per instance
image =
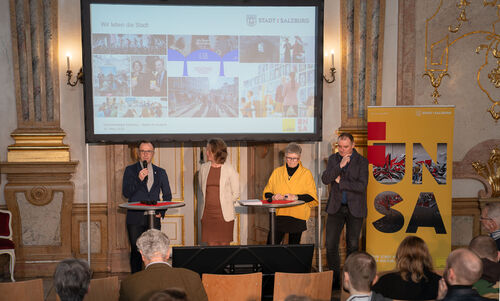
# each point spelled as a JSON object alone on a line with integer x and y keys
{"x": 145, "y": 165}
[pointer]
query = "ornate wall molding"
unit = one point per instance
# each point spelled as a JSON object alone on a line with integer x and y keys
{"x": 464, "y": 169}
{"x": 40, "y": 197}
{"x": 439, "y": 42}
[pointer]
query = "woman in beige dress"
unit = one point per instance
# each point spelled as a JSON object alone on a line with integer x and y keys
{"x": 220, "y": 186}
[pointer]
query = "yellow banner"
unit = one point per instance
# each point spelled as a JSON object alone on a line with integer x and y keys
{"x": 409, "y": 186}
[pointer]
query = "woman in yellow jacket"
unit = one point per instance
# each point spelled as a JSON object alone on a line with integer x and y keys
{"x": 291, "y": 181}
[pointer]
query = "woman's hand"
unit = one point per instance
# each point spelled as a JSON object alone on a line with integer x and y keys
{"x": 278, "y": 197}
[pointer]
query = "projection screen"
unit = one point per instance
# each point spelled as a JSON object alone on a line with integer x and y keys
{"x": 190, "y": 70}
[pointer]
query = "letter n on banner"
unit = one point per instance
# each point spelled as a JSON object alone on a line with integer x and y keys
{"x": 409, "y": 186}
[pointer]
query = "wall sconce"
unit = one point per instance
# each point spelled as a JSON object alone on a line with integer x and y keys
{"x": 69, "y": 74}
{"x": 332, "y": 71}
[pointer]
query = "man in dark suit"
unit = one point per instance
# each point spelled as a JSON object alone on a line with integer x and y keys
{"x": 347, "y": 172}
{"x": 143, "y": 183}
{"x": 154, "y": 246}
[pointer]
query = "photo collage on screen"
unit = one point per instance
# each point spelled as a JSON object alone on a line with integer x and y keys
{"x": 139, "y": 75}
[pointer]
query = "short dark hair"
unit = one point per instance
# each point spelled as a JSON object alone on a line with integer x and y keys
{"x": 485, "y": 247}
{"x": 218, "y": 148}
{"x": 346, "y": 136}
{"x": 71, "y": 279}
{"x": 362, "y": 269}
{"x": 169, "y": 294}
{"x": 145, "y": 142}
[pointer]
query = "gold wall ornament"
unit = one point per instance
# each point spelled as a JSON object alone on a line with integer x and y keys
{"x": 490, "y": 171}
{"x": 462, "y": 17}
{"x": 435, "y": 82}
{"x": 494, "y": 74}
{"x": 436, "y": 53}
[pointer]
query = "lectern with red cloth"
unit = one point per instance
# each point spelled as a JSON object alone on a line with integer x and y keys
{"x": 151, "y": 209}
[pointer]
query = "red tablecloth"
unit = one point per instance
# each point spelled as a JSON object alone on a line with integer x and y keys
{"x": 277, "y": 202}
{"x": 157, "y": 204}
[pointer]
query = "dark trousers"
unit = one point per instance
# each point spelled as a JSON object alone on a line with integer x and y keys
{"x": 334, "y": 225}
{"x": 134, "y": 231}
{"x": 293, "y": 238}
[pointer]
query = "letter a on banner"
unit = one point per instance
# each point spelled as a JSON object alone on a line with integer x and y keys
{"x": 409, "y": 186}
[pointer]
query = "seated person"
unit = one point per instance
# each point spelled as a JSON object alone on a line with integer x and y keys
{"x": 71, "y": 279}
{"x": 485, "y": 247}
{"x": 413, "y": 278}
{"x": 360, "y": 272}
{"x": 154, "y": 247}
{"x": 463, "y": 269}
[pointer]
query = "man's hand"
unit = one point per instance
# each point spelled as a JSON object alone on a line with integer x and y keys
{"x": 346, "y": 159}
{"x": 291, "y": 197}
{"x": 442, "y": 289}
{"x": 489, "y": 225}
{"x": 337, "y": 180}
{"x": 143, "y": 173}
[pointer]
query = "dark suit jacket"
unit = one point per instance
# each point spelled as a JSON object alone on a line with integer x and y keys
{"x": 136, "y": 190}
{"x": 462, "y": 292}
{"x": 353, "y": 180}
{"x": 159, "y": 276}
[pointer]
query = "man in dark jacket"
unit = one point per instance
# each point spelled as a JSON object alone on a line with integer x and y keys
{"x": 158, "y": 275}
{"x": 347, "y": 172}
{"x": 143, "y": 183}
{"x": 485, "y": 247}
{"x": 463, "y": 269}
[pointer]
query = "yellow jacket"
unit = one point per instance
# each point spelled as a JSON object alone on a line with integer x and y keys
{"x": 302, "y": 182}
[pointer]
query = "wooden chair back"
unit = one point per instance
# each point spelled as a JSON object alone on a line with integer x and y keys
{"x": 30, "y": 290}
{"x": 102, "y": 289}
{"x": 317, "y": 286}
{"x": 244, "y": 287}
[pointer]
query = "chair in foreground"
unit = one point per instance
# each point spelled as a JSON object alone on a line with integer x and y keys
{"x": 317, "y": 286}
{"x": 6, "y": 242}
{"x": 30, "y": 290}
{"x": 102, "y": 289}
{"x": 244, "y": 287}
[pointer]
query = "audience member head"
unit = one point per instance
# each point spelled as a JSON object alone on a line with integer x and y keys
{"x": 153, "y": 245}
{"x": 463, "y": 267}
{"x": 217, "y": 150}
{"x": 169, "y": 294}
{"x": 490, "y": 217}
{"x": 360, "y": 271}
{"x": 71, "y": 279}
{"x": 292, "y": 154}
{"x": 413, "y": 259}
{"x": 485, "y": 247}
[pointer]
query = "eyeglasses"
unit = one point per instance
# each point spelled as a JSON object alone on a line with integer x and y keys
{"x": 146, "y": 151}
{"x": 292, "y": 159}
